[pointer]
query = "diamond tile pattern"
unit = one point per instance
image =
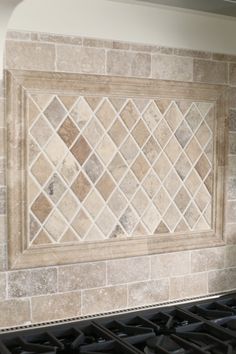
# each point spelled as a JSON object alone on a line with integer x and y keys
{"x": 108, "y": 167}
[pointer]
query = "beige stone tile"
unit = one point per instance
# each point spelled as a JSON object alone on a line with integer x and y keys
{"x": 18, "y": 35}
{"x": 210, "y": 71}
{"x": 106, "y": 114}
{"x": 41, "y": 169}
{"x": 55, "y": 225}
{"x": 34, "y": 227}
{"x": 3, "y": 286}
{"x": 2, "y": 142}
{"x": 232, "y": 97}
{"x": 81, "y": 276}
{"x": 231, "y": 188}
{"x": 117, "y": 203}
{"x": 68, "y": 205}
{"x": 2, "y": 108}
{"x": 78, "y": 59}
{"x": 81, "y": 223}
{"x": 41, "y": 207}
{"x": 3, "y": 257}
{"x": 151, "y": 218}
{"x": 129, "y": 114}
{"x": 129, "y": 149}
{"x": 128, "y": 220}
{"x": 2, "y": 200}
{"x": 170, "y": 264}
{"x": 152, "y": 116}
{"x": 192, "y": 215}
{"x": 140, "y": 133}
{"x": 104, "y": 299}
{"x": 55, "y": 38}
{"x": 172, "y": 183}
{"x": 223, "y": 57}
{"x": 140, "y": 201}
{"x": 3, "y": 229}
{"x": 162, "y": 133}
{"x": 230, "y": 233}
{"x": 166, "y": 67}
{"x": 232, "y": 74}
{"x": 69, "y": 168}
{"x": 172, "y": 217}
{"x": 81, "y": 112}
{"x": 188, "y": 286}
{"x": 106, "y": 222}
{"x": 54, "y": 188}
{"x": 151, "y": 150}
{"x": 162, "y": 166}
{"x": 117, "y": 167}
{"x": 128, "y": 63}
{"x": 93, "y": 132}
{"x": 94, "y": 203}
{"x": 140, "y": 167}
{"x": 192, "y": 53}
{"x": 106, "y": 149}
{"x": 56, "y": 150}
{"x": 182, "y": 199}
{"x": 81, "y": 150}
{"x": 232, "y": 120}
{"x": 162, "y": 201}
{"x": 231, "y": 212}
{"x": 97, "y": 43}
{"x": 123, "y": 271}
{"x": 120, "y": 45}
{"x": 129, "y": 185}
{"x": 230, "y": 256}
{"x": 149, "y": 292}
{"x": 30, "y": 56}
{"x": 222, "y": 280}
{"x": 41, "y": 131}
{"x": 32, "y": 282}
{"x": 151, "y": 184}
{"x": 232, "y": 143}
{"x": 118, "y": 132}
{"x": 14, "y": 313}
{"x": 56, "y": 307}
{"x": 105, "y": 186}
{"x": 93, "y": 168}
{"x": 232, "y": 166}
{"x": 68, "y": 132}
{"x": 42, "y": 239}
{"x": 207, "y": 259}
{"x": 182, "y": 166}
{"x": 173, "y": 149}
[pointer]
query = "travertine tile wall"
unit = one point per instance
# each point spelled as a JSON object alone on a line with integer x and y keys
{"x": 51, "y": 293}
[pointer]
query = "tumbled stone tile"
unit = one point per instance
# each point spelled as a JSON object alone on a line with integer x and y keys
{"x": 166, "y": 67}
{"x": 2, "y": 200}
{"x": 97, "y": 43}
{"x": 3, "y": 285}
{"x": 224, "y": 57}
{"x": 128, "y": 63}
{"x": 2, "y": 108}
{"x": 55, "y": 38}
{"x": 81, "y": 276}
{"x": 207, "y": 259}
{"x": 232, "y": 166}
{"x": 192, "y": 53}
{"x": 104, "y": 299}
{"x": 232, "y": 143}
{"x": 209, "y": 71}
{"x": 32, "y": 282}
{"x": 232, "y": 97}
{"x": 18, "y": 35}
{"x": 232, "y": 74}
{"x": 56, "y": 307}
{"x": 30, "y": 56}
{"x": 14, "y": 312}
{"x": 3, "y": 229}
{"x": 232, "y": 120}
{"x": 231, "y": 212}
{"x": 188, "y": 286}
{"x": 149, "y": 292}
{"x": 222, "y": 280}
{"x": 230, "y": 233}
{"x": 123, "y": 271}
{"x": 78, "y": 59}
{"x": 170, "y": 264}
{"x": 230, "y": 256}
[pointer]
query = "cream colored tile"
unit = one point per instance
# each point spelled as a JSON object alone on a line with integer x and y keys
{"x": 207, "y": 259}
{"x": 222, "y": 280}
{"x": 188, "y": 286}
{"x": 208, "y": 71}
{"x": 147, "y": 293}
{"x": 168, "y": 67}
{"x": 14, "y": 313}
{"x": 170, "y": 265}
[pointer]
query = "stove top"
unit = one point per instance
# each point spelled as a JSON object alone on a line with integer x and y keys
{"x": 206, "y": 327}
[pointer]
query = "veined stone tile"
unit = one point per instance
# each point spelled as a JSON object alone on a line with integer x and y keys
{"x": 149, "y": 292}
{"x": 188, "y": 286}
{"x": 56, "y": 307}
{"x": 152, "y": 116}
{"x": 14, "y": 312}
{"x": 170, "y": 264}
{"x": 104, "y": 299}
{"x": 207, "y": 259}
{"x": 209, "y": 71}
{"x": 222, "y": 280}
{"x": 166, "y": 67}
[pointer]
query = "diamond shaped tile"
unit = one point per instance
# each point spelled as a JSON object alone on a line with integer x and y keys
{"x": 162, "y": 166}
{"x": 117, "y": 233}
{"x": 118, "y": 132}
{"x": 81, "y": 113}
{"x": 68, "y": 168}
{"x": 183, "y": 105}
{"x": 129, "y": 185}
{"x": 172, "y": 183}
{"x": 117, "y": 167}
{"x": 129, "y": 149}
{"x": 81, "y": 223}
{"x": 141, "y": 103}
{"x": 33, "y": 111}
{"x": 68, "y": 205}
{"x": 209, "y": 150}
{"x": 33, "y": 189}
{"x": 201, "y": 225}
{"x": 173, "y": 116}
{"x": 94, "y": 203}
{"x": 106, "y": 222}
{"x": 163, "y": 104}
{"x": 55, "y": 150}
{"x": 183, "y": 134}
{"x": 192, "y": 215}
{"x": 161, "y": 229}
{"x": 162, "y": 133}
{"x": 192, "y": 182}
{"x": 173, "y": 149}
{"x": 129, "y": 114}
{"x": 55, "y": 225}
{"x": 152, "y": 116}
{"x": 54, "y": 188}
{"x": 208, "y": 214}
{"x": 204, "y": 107}
{"x": 171, "y": 217}
{"x": 55, "y": 112}
{"x": 193, "y": 118}
{"x": 69, "y": 237}
{"x": 94, "y": 234}
{"x": 33, "y": 150}
{"x": 41, "y": 131}
{"x": 81, "y": 150}
{"x": 68, "y": 101}
{"x": 182, "y": 226}
{"x": 151, "y": 184}
{"x": 117, "y": 103}
{"x": 151, "y": 150}
{"x": 202, "y": 198}
{"x": 93, "y": 132}
{"x": 182, "y": 166}
{"x": 151, "y": 218}
{"x": 42, "y": 100}
{"x": 161, "y": 201}
{"x": 140, "y": 133}
{"x": 203, "y": 134}
{"x": 140, "y": 201}
{"x": 182, "y": 199}
{"x": 193, "y": 150}
{"x": 209, "y": 183}
{"x": 93, "y": 168}
{"x": 106, "y": 114}
{"x": 81, "y": 186}
{"x": 106, "y": 149}
{"x": 42, "y": 239}
{"x": 34, "y": 227}
{"x": 105, "y": 186}
{"x": 93, "y": 101}
{"x": 117, "y": 203}
{"x": 128, "y": 220}
{"x": 41, "y": 169}
{"x": 140, "y": 167}
{"x": 140, "y": 230}
{"x": 68, "y": 132}
{"x": 203, "y": 166}
{"x": 210, "y": 119}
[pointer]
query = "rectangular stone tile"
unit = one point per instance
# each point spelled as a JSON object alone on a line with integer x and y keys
{"x": 18, "y": 35}
{"x": 3, "y": 257}
{"x": 3, "y": 284}
{"x": 127, "y": 270}
{"x": 188, "y": 286}
{"x": 209, "y": 71}
{"x": 104, "y": 299}
{"x": 232, "y": 97}
{"x": 230, "y": 256}
{"x": 82, "y": 276}
{"x": 2, "y": 229}
{"x": 168, "y": 67}
{"x": 232, "y": 74}
{"x": 120, "y": 45}
{"x": 231, "y": 212}
{"x": 80, "y": 60}
{"x": 222, "y": 280}
{"x": 148, "y": 292}
{"x": 128, "y": 63}
{"x": 2, "y": 142}
{"x": 2, "y": 119}
{"x": 230, "y": 233}
{"x": 224, "y": 57}
{"x": 207, "y": 259}
{"x": 56, "y": 307}
{"x": 192, "y": 53}
{"x": 55, "y": 38}
{"x": 2, "y": 200}
{"x": 30, "y": 56}
{"x": 14, "y": 313}
{"x": 231, "y": 188}
{"x": 232, "y": 120}
{"x": 2, "y": 171}
{"x": 232, "y": 143}
{"x": 32, "y": 282}
{"x": 138, "y": 47}
{"x": 232, "y": 166}
{"x": 170, "y": 264}
{"x": 97, "y": 43}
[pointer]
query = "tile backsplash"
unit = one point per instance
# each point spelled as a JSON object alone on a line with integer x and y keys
{"x": 57, "y": 292}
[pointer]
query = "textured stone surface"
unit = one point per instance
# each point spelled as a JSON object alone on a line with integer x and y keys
{"x": 211, "y": 72}
{"x": 222, "y": 280}
{"x": 171, "y": 264}
{"x": 188, "y": 286}
{"x": 207, "y": 259}
{"x": 230, "y": 256}
{"x": 168, "y": 67}
{"x": 14, "y": 312}
{"x": 149, "y": 292}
